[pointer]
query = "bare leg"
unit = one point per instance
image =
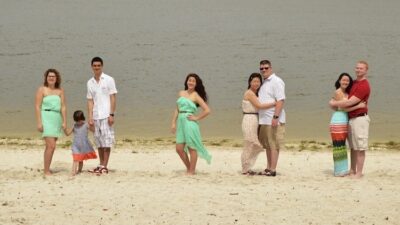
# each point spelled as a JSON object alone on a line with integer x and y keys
{"x": 106, "y": 156}
{"x": 80, "y": 167}
{"x": 193, "y": 161}
{"x": 274, "y": 159}
{"x": 269, "y": 159}
{"x": 48, "y": 153}
{"x": 181, "y": 152}
{"x": 360, "y": 163}
{"x": 353, "y": 161}
{"x": 101, "y": 155}
{"x": 74, "y": 168}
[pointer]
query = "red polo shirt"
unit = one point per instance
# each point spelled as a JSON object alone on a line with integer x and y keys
{"x": 361, "y": 90}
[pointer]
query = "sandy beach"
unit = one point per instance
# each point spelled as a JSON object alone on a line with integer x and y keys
{"x": 147, "y": 185}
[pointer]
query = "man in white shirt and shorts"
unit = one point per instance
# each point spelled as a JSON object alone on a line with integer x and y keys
{"x": 272, "y": 121}
{"x": 101, "y": 99}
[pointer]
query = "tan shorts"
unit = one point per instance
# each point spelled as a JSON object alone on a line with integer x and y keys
{"x": 271, "y": 137}
{"x": 358, "y": 133}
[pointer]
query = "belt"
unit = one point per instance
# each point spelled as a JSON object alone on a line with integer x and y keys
{"x": 50, "y": 110}
{"x": 250, "y": 113}
{"x": 185, "y": 112}
{"x": 360, "y": 114}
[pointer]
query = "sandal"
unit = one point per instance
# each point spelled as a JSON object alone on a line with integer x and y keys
{"x": 250, "y": 173}
{"x": 264, "y": 172}
{"x": 95, "y": 170}
{"x": 103, "y": 170}
{"x": 270, "y": 173}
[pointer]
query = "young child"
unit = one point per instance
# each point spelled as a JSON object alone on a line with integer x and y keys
{"x": 81, "y": 147}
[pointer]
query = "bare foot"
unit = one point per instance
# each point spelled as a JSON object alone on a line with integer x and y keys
{"x": 48, "y": 173}
{"x": 343, "y": 175}
{"x": 190, "y": 173}
{"x": 356, "y": 176}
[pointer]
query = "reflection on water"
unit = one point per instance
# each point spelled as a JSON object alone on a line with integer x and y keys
{"x": 149, "y": 47}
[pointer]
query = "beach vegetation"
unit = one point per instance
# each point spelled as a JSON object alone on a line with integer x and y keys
{"x": 237, "y": 145}
{"x": 66, "y": 144}
{"x": 315, "y": 147}
{"x": 127, "y": 140}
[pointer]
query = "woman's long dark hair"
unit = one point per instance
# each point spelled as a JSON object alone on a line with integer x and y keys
{"x": 337, "y": 83}
{"x": 199, "y": 86}
{"x": 252, "y": 76}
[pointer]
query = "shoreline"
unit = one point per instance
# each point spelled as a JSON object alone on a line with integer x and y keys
{"x": 24, "y": 143}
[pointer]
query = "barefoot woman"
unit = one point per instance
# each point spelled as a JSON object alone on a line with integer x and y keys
{"x": 185, "y": 123}
{"x": 50, "y": 113}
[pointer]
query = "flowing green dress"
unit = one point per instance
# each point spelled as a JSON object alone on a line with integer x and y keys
{"x": 51, "y": 116}
{"x": 187, "y": 131}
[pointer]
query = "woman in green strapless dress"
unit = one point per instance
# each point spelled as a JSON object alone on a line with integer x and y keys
{"x": 50, "y": 113}
{"x": 185, "y": 123}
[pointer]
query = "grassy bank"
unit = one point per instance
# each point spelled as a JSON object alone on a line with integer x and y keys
{"x": 136, "y": 142}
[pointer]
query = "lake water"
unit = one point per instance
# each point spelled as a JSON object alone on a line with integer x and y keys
{"x": 150, "y": 46}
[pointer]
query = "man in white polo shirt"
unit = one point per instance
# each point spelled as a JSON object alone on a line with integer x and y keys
{"x": 101, "y": 96}
{"x": 272, "y": 120}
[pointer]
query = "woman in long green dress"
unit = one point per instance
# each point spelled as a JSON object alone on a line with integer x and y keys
{"x": 185, "y": 123}
{"x": 50, "y": 113}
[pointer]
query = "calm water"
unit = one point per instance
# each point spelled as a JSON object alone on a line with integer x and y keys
{"x": 150, "y": 46}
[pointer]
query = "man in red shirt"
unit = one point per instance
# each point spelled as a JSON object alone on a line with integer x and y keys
{"x": 358, "y": 119}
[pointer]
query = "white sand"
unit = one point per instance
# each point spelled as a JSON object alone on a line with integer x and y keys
{"x": 149, "y": 187}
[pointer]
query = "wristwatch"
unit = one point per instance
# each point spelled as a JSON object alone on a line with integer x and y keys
{"x": 275, "y": 117}
{"x": 112, "y": 114}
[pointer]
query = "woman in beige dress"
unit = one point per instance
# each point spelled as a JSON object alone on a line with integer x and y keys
{"x": 250, "y": 106}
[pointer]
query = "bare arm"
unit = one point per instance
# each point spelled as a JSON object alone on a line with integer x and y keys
{"x": 278, "y": 110}
{"x": 63, "y": 109}
{"x": 68, "y": 131}
{"x": 358, "y": 106}
{"x": 335, "y": 96}
{"x": 38, "y": 104}
{"x": 256, "y": 103}
{"x": 345, "y": 103}
{"x": 205, "y": 109}
{"x": 113, "y": 100}
{"x": 173, "y": 123}
{"x": 90, "y": 111}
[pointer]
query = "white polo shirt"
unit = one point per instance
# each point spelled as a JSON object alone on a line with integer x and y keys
{"x": 100, "y": 93}
{"x": 271, "y": 90}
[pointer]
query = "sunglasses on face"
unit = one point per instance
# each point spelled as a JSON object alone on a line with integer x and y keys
{"x": 264, "y": 68}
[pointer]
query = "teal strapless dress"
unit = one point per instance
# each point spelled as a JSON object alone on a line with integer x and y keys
{"x": 51, "y": 116}
{"x": 187, "y": 131}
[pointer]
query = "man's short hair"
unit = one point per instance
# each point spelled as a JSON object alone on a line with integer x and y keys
{"x": 363, "y": 62}
{"x": 265, "y": 62}
{"x": 97, "y": 59}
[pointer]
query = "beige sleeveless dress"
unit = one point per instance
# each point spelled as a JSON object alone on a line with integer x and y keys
{"x": 251, "y": 145}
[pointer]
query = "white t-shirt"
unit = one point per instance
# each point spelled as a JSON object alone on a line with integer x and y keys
{"x": 272, "y": 89}
{"x": 100, "y": 93}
